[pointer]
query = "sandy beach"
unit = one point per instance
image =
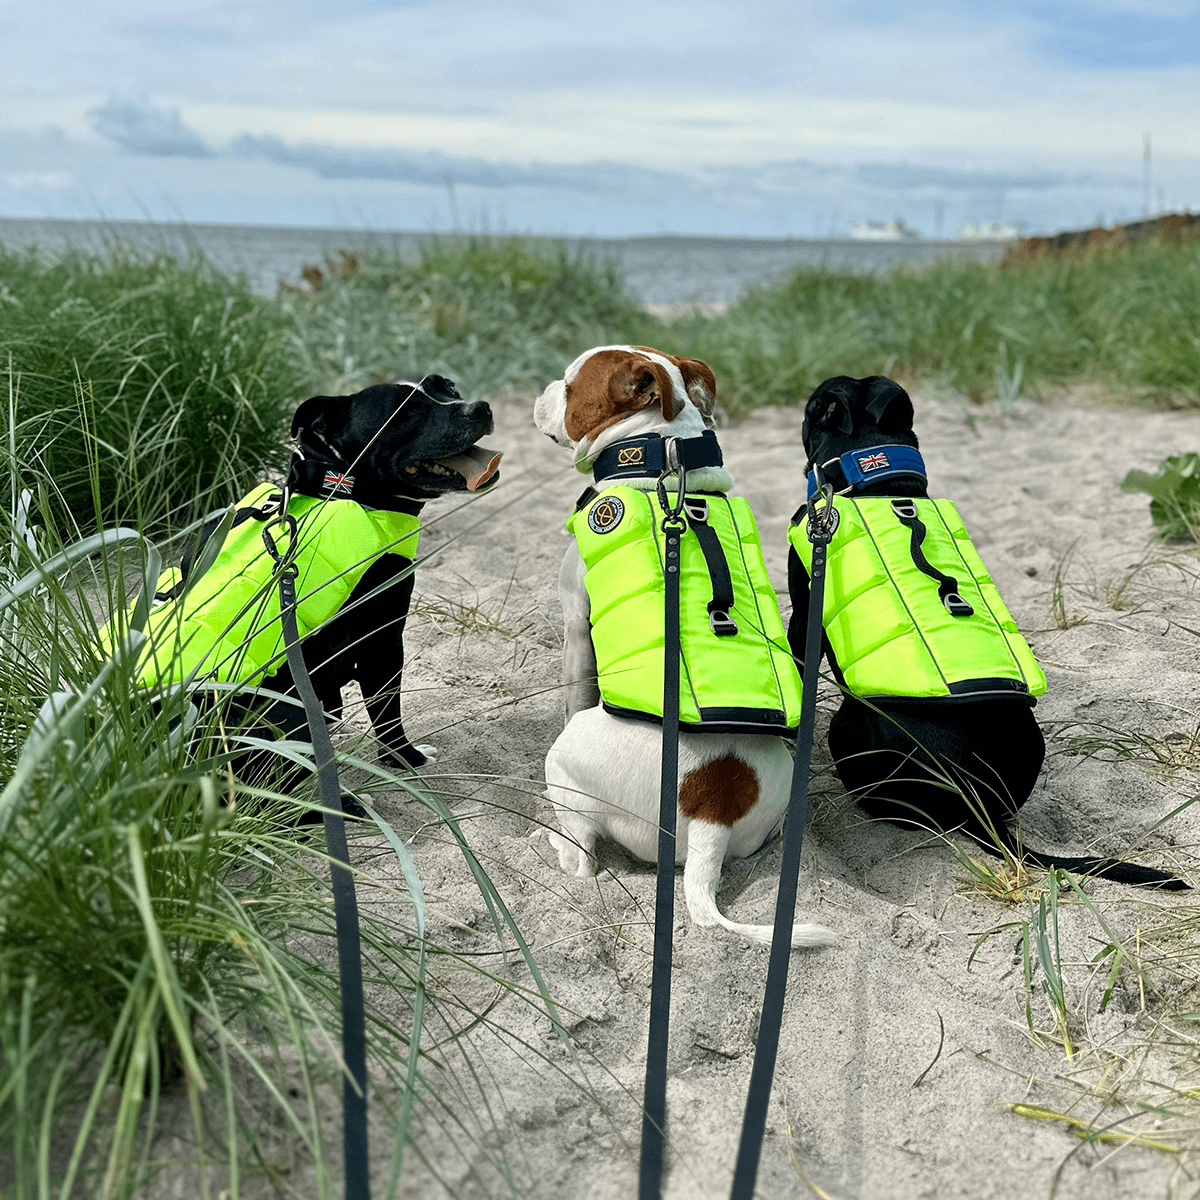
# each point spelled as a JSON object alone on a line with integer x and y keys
{"x": 1113, "y": 616}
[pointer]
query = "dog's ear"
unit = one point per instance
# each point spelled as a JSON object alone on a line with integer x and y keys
{"x": 828, "y": 408}
{"x": 641, "y": 384}
{"x": 326, "y": 416}
{"x": 889, "y": 405}
{"x": 441, "y": 388}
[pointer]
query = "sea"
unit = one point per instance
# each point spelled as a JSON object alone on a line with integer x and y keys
{"x": 657, "y": 269}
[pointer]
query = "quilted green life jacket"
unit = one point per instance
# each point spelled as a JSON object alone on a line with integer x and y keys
{"x": 910, "y": 610}
{"x": 736, "y": 671}
{"x": 226, "y": 626}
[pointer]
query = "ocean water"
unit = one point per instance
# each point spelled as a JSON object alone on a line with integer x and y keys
{"x": 657, "y": 269}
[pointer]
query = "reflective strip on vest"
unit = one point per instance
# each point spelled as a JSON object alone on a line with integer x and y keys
{"x": 890, "y": 633}
{"x": 747, "y": 682}
{"x": 227, "y": 625}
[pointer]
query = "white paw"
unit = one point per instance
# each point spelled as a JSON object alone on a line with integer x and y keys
{"x": 430, "y": 752}
{"x": 571, "y": 858}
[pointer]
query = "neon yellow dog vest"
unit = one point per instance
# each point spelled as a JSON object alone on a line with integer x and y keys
{"x": 891, "y": 632}
{"x": 227, "y": 627}
{"x": 742, "y": 683}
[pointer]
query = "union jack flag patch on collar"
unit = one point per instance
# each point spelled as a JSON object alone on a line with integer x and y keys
{"x": 338, "y": 481}
{"x": 872, "y": 462}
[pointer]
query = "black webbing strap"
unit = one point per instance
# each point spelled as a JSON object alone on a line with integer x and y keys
{"x": 345, "y": 902}
{"x": 906, "y": 514}
{"x": 654, "y": 1101}
{"x": 758, "y": 1097}
{"x": 719, "y": 620}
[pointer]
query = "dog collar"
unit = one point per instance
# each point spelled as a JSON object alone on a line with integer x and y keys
{"x": 335, "y": 481}
{"x": 645, "y": 457}
{"x": 875, "y": 463}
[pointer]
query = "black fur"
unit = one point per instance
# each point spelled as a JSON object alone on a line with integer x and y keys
{"x": 376, "y": 435}
{"x": 910, "y": 761}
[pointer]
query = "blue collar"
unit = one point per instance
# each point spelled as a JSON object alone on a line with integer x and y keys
{"x": 876, "y": 463}
{"x": 645, "y": 457}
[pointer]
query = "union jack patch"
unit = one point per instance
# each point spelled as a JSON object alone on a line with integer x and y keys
{"x": 872, "y": 462}
{"x": 338, "y": 481}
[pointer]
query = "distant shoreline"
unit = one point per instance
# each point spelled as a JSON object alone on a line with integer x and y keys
{"x": 657, "y": 268}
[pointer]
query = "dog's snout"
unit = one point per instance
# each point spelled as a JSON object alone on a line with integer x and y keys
{"x": 481, "y": 413}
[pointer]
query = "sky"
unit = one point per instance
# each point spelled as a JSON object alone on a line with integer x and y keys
{"x": 767, "y": 118}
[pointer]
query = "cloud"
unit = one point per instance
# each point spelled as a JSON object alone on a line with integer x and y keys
{"x": 145, "y": 129}
{"x": 431, "y": 168}
{"x": 797, "y": 175}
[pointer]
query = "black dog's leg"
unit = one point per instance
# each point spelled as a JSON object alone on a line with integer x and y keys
{"x": 371, "y": 632}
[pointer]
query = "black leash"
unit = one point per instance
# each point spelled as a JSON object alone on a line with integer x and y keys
{"x": 654, "y": 1105}
{"x": 345, "y": 902}
{"x": 758, "y": 1098}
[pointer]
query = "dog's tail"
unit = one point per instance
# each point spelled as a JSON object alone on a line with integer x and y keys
{"x": 1105, "y": 868}
{"x": 706, "y": 846}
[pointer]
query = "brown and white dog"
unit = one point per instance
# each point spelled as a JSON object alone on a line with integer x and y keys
{"x": 602, "y": 773}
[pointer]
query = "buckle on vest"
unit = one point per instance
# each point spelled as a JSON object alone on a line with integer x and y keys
{"x": 956, "y": 606}
{"x": 721, "y": 623}
{"x": 906, "y": 510}
{"x": 696, "y": 510}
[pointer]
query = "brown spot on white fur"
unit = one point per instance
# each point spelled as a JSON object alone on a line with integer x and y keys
{"x": 610, "y": 385}
{"x": 721, "y": 792}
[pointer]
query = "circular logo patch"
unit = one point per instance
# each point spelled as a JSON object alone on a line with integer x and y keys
{"x": 835, "y": 518}
{"x": 605, "y": 515}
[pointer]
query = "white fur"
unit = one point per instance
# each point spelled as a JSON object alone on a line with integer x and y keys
{"x": 603, "y": 772}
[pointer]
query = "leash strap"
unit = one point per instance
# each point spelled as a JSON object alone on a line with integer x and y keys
{"x": 758, "y": 1098}
{"x": 345, "y": 901}
{"x": 654, "y": 1103}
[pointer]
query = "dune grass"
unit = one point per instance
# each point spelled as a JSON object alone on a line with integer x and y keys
{"x": 161, "y": 387}
{"x": 168, "y": 990}
{"x": 1128, "y": 319}
{"x": 489, "y": 314}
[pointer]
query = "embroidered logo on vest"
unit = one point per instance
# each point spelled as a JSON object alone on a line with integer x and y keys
{"x": 605, "y": 515}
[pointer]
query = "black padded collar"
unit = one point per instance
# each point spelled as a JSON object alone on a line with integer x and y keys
{"x": 645, "y": 457}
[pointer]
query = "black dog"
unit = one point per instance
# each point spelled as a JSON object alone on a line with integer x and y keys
{"x": 911, "y": 761}
{"x": 391, "y": 446}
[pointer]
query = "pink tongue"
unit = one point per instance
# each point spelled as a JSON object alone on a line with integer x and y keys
{"x": 476, "y": 465}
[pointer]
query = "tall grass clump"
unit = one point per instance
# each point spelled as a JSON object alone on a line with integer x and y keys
{"x": 1126, "y": 318}
{"x": 162, "y": 386}
{"x": 168, "y": 987}
{"x": 487, "y": 313}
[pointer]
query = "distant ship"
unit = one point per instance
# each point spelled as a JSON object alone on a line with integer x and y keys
{"x": 890, "y": 231}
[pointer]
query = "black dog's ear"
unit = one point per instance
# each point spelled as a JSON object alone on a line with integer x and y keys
{"x": 320, "y": 414}
{"x": 828, "y": 407}
{"x": 889, "y": 405}
{"x": 441, "y": 388}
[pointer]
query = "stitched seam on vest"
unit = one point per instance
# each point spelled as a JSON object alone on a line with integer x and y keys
{"x": 982, "y": 596}
{"x": 891, "y": 579}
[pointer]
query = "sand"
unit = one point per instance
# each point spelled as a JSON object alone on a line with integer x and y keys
{"x": 1111, "y": 614}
